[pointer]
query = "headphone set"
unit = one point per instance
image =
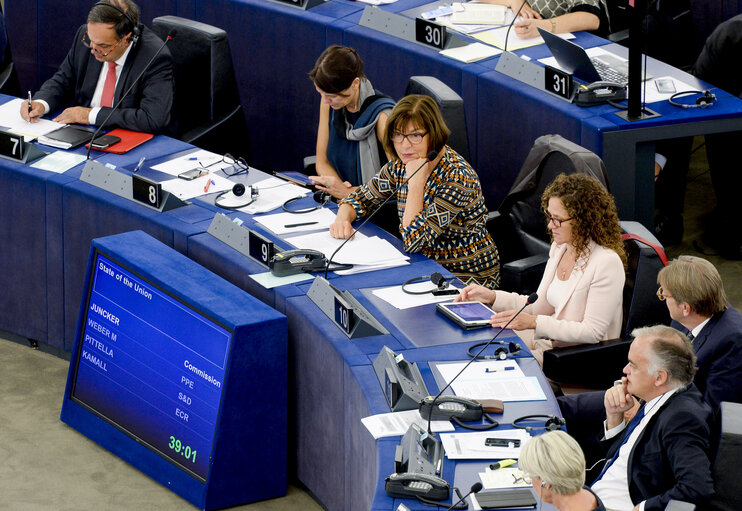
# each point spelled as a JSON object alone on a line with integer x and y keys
{"x": 552, "y": 423}
{"x": 705, "y": 99}
{"x": 322, "y": 198}
{"x": 501, "y": 353}
{"x": 441, "y": 289}
{"x": 136, "y": 30}
{"x": 238, "y": 190}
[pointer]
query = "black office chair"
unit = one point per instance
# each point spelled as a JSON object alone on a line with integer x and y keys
{"x": 207, "y": 110}
{"x": 725, "y": 471}
{"x": 518, "y": 226}
{"x": 451, "y": 106}
{"x": 598, "y": 365}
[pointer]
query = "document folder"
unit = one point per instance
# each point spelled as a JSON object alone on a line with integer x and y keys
{"x": 129, "y": 140}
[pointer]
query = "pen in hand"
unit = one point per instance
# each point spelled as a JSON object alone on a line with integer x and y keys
{"x": 300, "y": 225}
{"x": 29, "y": 106}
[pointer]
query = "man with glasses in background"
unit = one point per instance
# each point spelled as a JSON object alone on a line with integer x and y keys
{"x": 107, "y": 56}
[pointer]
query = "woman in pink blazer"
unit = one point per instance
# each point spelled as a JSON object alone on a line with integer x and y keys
{"x": 581, "y": 293}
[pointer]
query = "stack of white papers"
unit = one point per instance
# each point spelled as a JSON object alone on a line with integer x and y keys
{"x": 397, "y": 423}
{"x": 10, "y": 118}
{"x": 59, "y": 161}
{"x": 364, "y": 253}
{"x": 284, "y": 223}
{"x": 496, "y": 37}
{"x": 472, "y": 446}
{"x": 508, "y": 477}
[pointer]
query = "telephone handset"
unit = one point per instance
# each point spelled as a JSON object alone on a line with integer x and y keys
{"x": 291, "y": 262}
{"x": 411, "y": 485}
{"x": 450, "y": 407}
{"x": 599, "y": 92}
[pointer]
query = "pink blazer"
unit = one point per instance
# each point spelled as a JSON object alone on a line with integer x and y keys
{"x": 592, "y": 311}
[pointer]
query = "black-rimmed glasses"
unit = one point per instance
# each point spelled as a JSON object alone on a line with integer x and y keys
{"x": 556, "y": 221}
{"x": 414, "y": 138}
{"x": 236, "y": 165}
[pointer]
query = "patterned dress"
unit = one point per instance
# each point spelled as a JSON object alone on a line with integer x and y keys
{"x": 450, "y": 228}
{"x": 552, "y": 8}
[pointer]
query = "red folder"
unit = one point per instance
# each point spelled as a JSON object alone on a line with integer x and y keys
{"x": 129, "y": 140}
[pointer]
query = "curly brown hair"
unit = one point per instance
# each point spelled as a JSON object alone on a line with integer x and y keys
{"x": 592, "y": 210}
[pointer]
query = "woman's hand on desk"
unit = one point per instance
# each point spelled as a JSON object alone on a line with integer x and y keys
{"x": 523, "y": 321}
{"x": 527, "y": 28}
{"x": 476, "y": 293}
{"x": 332, "y": 185}
{"x": 341, "y": 228}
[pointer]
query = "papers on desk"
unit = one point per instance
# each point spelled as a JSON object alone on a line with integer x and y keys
{"x": 363, "y": 252}
{"x": 285, "y": 223}
{"x": 377, "y": 2}
{"x": 397, "y": 423}
{"x": 471, "y": 446}
{"x": 496, "y": 37}
{"x": 397, "y": 298}
{"x": 196, "y": 159}
{"x": 492, "y": 379}
{"x": 471, "y": 52}
{"x": 273, "y": 193}
{"x": 185, "y": 190}
{"x": 10, "y": 118}
{"x": 508, "y": 477}
{"x": 472, "y": 13}
{"x": 269, "y": 281}
{"x": 59, "y": 161}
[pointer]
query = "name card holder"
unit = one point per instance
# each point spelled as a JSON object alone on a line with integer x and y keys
{"x": 121, "y": 184}
{"x": 242, "y": 239}
{"x": 13, "y": 147}
{"x": 404, "y": 28}
{"x": 526, "y": 72}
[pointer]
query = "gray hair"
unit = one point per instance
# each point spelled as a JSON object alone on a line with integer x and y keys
{"x": 671, "y": 351}
{"x": 557, "y": 459}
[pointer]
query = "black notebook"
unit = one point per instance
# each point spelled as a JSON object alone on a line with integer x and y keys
{"x": 66, "y": 137}
{"x": 506, "y": 499}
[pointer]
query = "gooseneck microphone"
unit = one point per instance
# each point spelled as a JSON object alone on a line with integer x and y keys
{"x": 507, "y": 34}
{"x": 428, "y": 158}
{"x": 531, "y": 298}
{"x": 95, "y": 134}
{"x": 475, "y": 488}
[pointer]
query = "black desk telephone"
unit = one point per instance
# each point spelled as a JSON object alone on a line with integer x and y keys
{"x": 599, "y": 92}
{"x": 291, "y": 262}
{"x": 450, "y": 407}
{"x": 418, "y": 463}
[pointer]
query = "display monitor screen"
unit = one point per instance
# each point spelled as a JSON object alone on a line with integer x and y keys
{"x": 151, "y": 365}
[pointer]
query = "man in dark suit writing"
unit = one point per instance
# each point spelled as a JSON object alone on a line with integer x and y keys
{"x": 107, "y": 55}
{"x": 663, "y": 452}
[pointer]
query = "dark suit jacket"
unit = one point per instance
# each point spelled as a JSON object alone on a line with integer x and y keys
{"x": 146, "y": 108}
{"x": 719, "y": 351}
{"x": 670, "y": 459}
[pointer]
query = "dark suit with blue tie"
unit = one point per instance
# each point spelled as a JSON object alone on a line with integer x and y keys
{"x": 670, "y": 459}
{"x": 146, "y": 108}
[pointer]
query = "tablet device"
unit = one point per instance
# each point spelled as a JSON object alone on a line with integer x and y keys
{"x": 467, "y": 315}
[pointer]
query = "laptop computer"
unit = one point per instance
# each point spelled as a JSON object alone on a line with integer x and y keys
{"x": 573, "y": 59}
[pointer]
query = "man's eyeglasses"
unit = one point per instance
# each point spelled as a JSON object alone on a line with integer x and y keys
{"x": 236, "y": 165}
{"x": 556, "y": 221}
{"x": 662, "y": 295}
{"x": 95, "y": 46}
{"x": 414, "y": 138}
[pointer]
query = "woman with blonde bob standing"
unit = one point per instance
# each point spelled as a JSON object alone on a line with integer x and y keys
{"x": 556, "y": 466}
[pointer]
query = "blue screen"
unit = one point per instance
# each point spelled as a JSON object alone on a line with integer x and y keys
{"x": 151, "y": 366}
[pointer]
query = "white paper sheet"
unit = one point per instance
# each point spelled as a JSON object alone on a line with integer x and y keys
{"x": 506, "y": 390}
{"x": 496, "y": 37}
{"x": 471, "y": 52}
{"x": 273, "y": 192}
{"x": 483, "y": 371}
{"x": 397, "y": 423}
{"x": 199, "y": 158}
{"x": 10, "y": 118}
{"x": 185, "y": 190}
{"x": 471, "y": 446}
{"x": 508, "y": 477}
{"x": 360, "y": 250}
{"x": 280, "y": 222}
{"x": 397, "y": 298}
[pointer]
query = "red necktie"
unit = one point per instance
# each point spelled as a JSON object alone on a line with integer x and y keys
{"x": 109, "y": 86}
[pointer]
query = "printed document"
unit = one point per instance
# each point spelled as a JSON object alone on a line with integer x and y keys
{"x": 472, "y": 446}
{"x": 397, "y": 423}
{"x": 397, "y": 298}
{"x": 10, "y": 118}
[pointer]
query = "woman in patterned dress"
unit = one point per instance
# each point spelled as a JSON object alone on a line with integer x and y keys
{"x": 557, "y": 16}
{"x": 440, "y": 207}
